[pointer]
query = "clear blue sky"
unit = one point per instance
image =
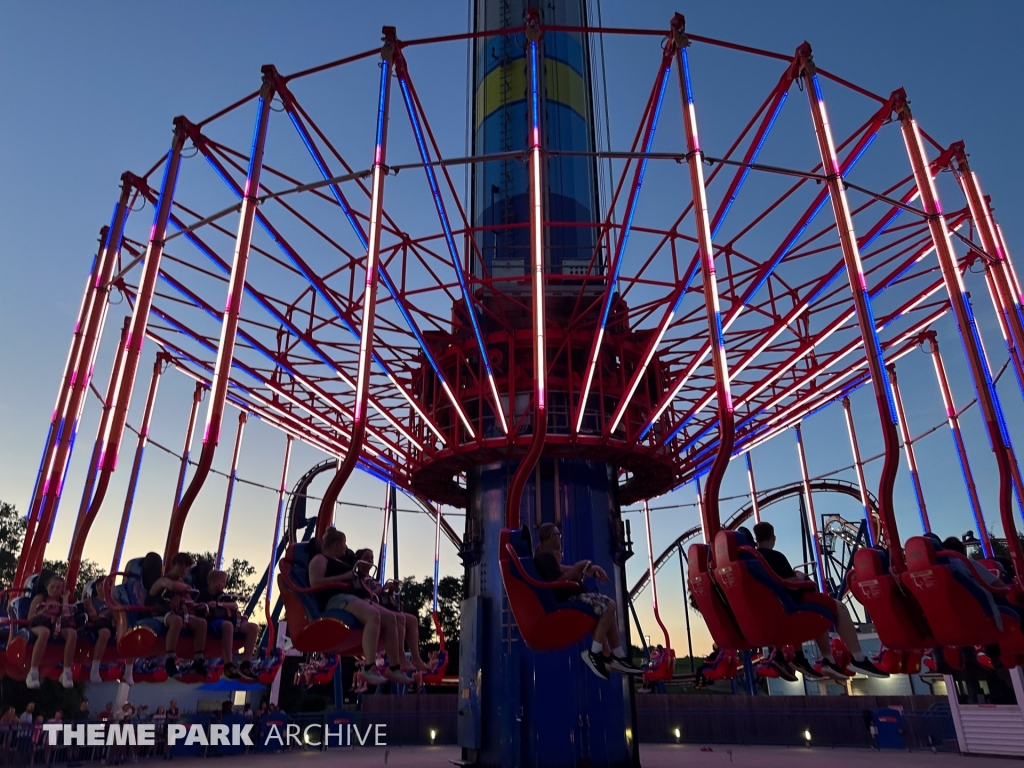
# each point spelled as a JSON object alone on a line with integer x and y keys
{"x": 90, "y": 91}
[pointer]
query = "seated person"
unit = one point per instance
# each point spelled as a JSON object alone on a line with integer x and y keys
{"x": 223, "y": 617}
{"x": 334, "y": 568}
{"x": 407, "y": 625}
{"x": 171, "y": 597}
{"x": 46, "y": 613}
{"x": 99, "y": 623}
{"x": 764, "y": 534}
{"x": 983, "y": 574}
{"x": 606, "y": 651}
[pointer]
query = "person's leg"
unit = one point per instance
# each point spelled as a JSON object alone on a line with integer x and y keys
{"x": 42, "y": 638}
{"x": 173, "y": 622}
{"x": 848, "y": 632}
{"x": 227, "y": 642}
{"x": 401, "y": 629}
{"x": 370, "y": 620}
{"x": 251, "y": 632}
{"x": 392, "y": 642}
{"x": 102, "y": 638}
{"x": 70, "y": 639}
{"x": 198, "y": 627}
{"x": 412, "y": 639}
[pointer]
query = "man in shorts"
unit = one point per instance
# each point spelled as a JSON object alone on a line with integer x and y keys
{"x": 606, "y": 651}
{"x": 170, "y": 596}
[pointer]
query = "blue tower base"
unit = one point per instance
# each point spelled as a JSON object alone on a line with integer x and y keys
{"x": 518, "y": 707}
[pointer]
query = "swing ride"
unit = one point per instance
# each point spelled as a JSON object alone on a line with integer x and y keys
{"x": 545, "y": 346}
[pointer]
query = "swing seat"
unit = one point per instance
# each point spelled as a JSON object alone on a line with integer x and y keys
{"x": 765, "y": 607}
{"x": 957, "y": 603}
{"x": 266, "y": 669}
{"x": 544, "y": 623}
{"x": 310, "y": 629}
{"x": 664, "y": 670}
{"x": 435, "y": 677}
{"x": 137, "y": 628}
{"x": 22, "y": 640}
{"x": 898, "y": 618}
{"x": 723, "y": 667}
{"x": 713, "y": 608}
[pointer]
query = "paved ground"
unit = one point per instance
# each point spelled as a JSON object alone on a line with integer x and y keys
{"x": 652, "y": 756}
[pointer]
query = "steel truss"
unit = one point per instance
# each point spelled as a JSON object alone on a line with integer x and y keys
{"x": 275, "y": 275}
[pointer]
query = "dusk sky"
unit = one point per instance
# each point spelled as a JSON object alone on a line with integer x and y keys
{"x": 91, "y": 89}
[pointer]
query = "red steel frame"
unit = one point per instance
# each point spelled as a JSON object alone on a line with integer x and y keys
{"x": 908, "y": 448}
{"x": 769, "y": 340}
{"x": 232, "y": 475}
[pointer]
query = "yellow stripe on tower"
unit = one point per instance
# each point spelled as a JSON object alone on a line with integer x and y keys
{"x": 507, "y": 84}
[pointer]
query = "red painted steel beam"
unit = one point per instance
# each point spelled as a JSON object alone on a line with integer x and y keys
{"x": 233, "y": 473}
{"x": 862, "y": 302}
{"x": 229, "y": 326}
{"x": 71, "y": 399}
{"x": 932, "y": 341}
{"x": 537, "y": 261}
{"x": 140, "y": 448}
{"x": 716, "y": 339}
{"x": 988, "y": 399}
{"x": 858, "y": 466}
{"x": 908, "y": 448}
{"x": 111, "y": 427}
{"x": 348, "y": 464}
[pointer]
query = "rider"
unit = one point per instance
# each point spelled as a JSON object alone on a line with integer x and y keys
{"x": 332, "y": 573}
{"x": 169, "y": 595}
{"x": 45, "y": 613}
{"x": 764, "y": 533}
{"x": 225, "y": 619}
{"x": 548, "y": 562}
{"x": 407, "y": 625}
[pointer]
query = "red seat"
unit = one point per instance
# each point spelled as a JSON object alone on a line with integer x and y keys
{"x": 310, "y": 630}
{"x": 723, "y": 667}
{"x": 544, "y": 623}
{"x": 719, "y": 619}
{"x": 897, "y": 616}
{"x": 768, "y": 610}
{"x": 957, "y": 603}
{"x": 664, "y": 670}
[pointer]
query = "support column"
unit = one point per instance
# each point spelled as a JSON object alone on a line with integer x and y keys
{"x": 281, "y": 491}
{"x": 111, "y": 427}
{"x": 518, "y": 707}
{"x": 958, "y": 441}
{"x": 753, "y": 488}
{"x": 186, "y": 449}
{"x": 242, "y": 416}
{"x": 706, "y": 254}
{"x": 71, "y": 399}
{"x": 812, "y": 518}
{"x": 988, "y": 398}
{"x": 229, "y": 323}
{"x": 140, "y": 449}
{"x": 359, "y": 410}
{"x": 858, "y": 466}
{"x": 908, "y": 448}
{"x": 862, "y": 305}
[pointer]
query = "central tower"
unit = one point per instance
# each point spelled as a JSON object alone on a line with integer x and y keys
{"x": 518, "y": 707}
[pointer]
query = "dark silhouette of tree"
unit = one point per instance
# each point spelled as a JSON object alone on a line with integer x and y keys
{"x": 12, "y": 535}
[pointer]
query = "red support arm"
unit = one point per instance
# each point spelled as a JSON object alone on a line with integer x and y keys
{"x": 229, "y": 326}
{"x": 326, "y": 513}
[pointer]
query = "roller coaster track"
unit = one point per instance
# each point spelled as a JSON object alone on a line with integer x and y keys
{"x": 764, "y": 499}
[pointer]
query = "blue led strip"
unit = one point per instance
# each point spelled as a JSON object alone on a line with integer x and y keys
{"x": 446, "y": 225}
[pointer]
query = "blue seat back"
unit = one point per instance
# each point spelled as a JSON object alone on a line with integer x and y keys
{"x": 761, "y": 573}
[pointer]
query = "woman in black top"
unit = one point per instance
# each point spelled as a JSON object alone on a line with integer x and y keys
{"x": 333, "y": 574}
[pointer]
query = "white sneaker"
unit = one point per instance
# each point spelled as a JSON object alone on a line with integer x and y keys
{"x": 94, "y": 674}
{"x": 32, "y": 681}
{"x": 66, "y": 679}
